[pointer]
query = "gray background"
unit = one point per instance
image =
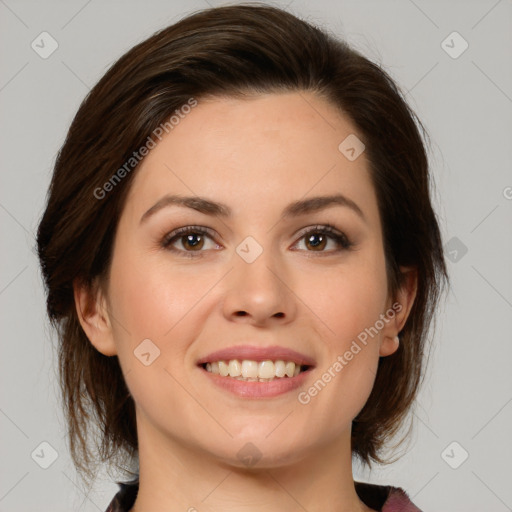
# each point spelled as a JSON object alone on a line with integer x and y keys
{"x": 466, "y": 104}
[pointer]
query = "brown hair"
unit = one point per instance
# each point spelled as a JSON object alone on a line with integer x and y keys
{"x": 229, "y": 51}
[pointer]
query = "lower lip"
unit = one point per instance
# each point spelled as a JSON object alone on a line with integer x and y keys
{"x": 253, "y": 389}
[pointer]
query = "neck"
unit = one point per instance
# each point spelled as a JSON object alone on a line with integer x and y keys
{"x": 177, "y": 477}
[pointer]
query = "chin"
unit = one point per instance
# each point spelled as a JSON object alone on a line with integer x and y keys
{"x": 258, "y": 451}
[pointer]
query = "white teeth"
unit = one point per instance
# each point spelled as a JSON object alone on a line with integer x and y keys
{"x": 290, "y": 369}
{"x": 249, "y": 369}
{"x": 280, "y": 368}
{"x": 266, "y": 370}
{"x": 223, "y": 369}
{"x": 252, "y": 371}
{"x": 235, "y": 368}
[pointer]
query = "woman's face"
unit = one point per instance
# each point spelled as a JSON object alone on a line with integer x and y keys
{"x": 257, "y": 278}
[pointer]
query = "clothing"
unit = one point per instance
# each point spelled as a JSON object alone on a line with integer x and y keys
{"x": 383, "y": 498}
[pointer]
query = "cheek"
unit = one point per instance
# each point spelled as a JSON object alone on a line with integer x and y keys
{"x": 353, "y": 304}
{"x": 350, "y": 305}
{"x": 151, "y": 303}
{"x": 154, "y": 300}
{"x": 351, "y": 300}
{"x": 149, "y": 297}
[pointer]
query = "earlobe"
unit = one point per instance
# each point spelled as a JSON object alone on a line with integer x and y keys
{"x": 90, "y": 303}
{"x": 402, "y": 307}
{"x": 389, "y": 345}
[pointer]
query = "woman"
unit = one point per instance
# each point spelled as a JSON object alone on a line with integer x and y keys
{"x": 242, "y": 259}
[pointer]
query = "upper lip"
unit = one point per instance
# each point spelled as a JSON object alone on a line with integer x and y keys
{"x": 255, "y": 353}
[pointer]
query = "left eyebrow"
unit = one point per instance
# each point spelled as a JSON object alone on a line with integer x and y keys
{"x": 318, "y": 203}
{"x": 295, "y": 209}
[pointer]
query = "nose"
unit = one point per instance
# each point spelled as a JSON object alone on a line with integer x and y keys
{"x": 259, "y": 293}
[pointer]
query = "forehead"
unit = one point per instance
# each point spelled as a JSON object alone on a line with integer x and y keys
{"x": 242, "y": 152}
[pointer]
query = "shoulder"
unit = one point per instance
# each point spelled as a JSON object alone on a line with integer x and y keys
{"x": 385, "y": 498}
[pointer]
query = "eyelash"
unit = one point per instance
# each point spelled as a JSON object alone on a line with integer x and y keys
{"x": 326, "y": 229}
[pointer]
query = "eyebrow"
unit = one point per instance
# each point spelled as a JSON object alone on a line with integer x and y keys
{"x": 295, "y": 209}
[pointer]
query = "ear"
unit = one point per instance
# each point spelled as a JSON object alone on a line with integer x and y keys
{"x": 401, "y": 306}
{"x": 91, "y": 306}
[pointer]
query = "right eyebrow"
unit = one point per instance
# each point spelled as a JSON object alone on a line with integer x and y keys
{"x": 197, "y": 203}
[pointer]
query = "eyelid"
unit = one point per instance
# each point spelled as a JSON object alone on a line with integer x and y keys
{"x": 328, "y": 228}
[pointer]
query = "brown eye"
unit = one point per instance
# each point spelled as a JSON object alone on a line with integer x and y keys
{"x": 194, "y": 241}
{"x": 189, "y": 240}
{"x": 317, "y": 241}
{"x": 318, "y": 238}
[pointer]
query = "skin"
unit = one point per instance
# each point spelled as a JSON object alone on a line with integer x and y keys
{"x": 255, "y": 155}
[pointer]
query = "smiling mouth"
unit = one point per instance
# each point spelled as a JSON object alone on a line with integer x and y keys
{"x": 255, "y": 371}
